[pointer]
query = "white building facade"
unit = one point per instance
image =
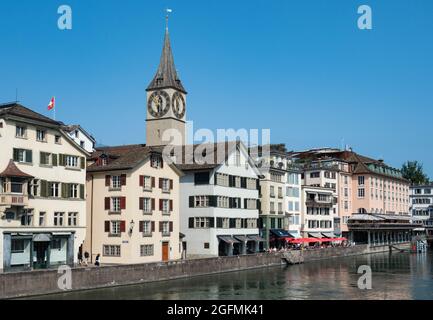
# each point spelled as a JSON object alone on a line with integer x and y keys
{"x": 219, "y": 206}
{"x": 421, "y": 205}
{"x": 42, "y": 191}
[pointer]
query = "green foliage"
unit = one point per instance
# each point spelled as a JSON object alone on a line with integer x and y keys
{"x": 414, "y": 172}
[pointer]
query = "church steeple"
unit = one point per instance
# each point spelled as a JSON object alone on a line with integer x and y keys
{"x": 166, "y": 75}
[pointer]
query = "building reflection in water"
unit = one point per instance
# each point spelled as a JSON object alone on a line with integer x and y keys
{"x": 394, "y": 276}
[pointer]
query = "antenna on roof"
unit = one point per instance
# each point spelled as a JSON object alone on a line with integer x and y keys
{"x": 16, "y": 95}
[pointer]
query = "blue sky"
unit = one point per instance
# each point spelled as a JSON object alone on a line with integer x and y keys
{"x": 301, "y": 68}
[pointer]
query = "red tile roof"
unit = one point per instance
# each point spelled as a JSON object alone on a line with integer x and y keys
{"x": 12, "y": 171}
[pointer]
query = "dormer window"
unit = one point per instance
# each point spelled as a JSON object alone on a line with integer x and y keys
{"x": 156, "y": 162}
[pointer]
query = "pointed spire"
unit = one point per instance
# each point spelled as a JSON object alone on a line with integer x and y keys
{"x": 166, "y": 75}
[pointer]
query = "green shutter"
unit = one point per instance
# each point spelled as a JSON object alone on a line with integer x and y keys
{"x": 65, "y": 190}
{"x": 61, "y": 160}
{"x": 83, "y": 162}
{"x": 41, "y": 157}
{"x": 29, "y": 156}
{"x": 44, "y": 188}
{"x": 82, "y": 191}
{"x": 54, "y": 159}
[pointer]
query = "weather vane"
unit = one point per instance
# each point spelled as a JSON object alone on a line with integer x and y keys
{"x": 168, "y": 11}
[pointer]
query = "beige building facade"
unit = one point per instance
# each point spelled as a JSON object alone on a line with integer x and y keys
{"x": 133, "y": 206}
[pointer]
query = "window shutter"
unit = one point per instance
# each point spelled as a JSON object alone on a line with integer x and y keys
{"x": 171, "y": 205}
{"x": 171, "y": 184}
{"x": 153, "y": 182}
{"x": 213, "y": 201}
{"x": 162, "y": 163}
{"x": 61, "y": 160}
{"x": 54, "y": 159}
{"x": 123, "y": 203}
{"x": 153, "y": 204}
{"x": 141, "y": 205}
{"x": 141, "y": 181}
{"x": 219, "y": 223}
{"x": 82, "y": 191}
{"x": 245, "y": 203}
{"x": 107, "y": 226}
{"x": 160, "y": 183}
{"x": 83, "y": 162}
{"x": 141, "y": 226}
{"x": 191, "y": 202}
{"x": 153, "y": 226}
{"x": 123, "y": 179}
{"x": 29, "y": 156}
{"x": 259, "y": 205}
{"x": 64, "y": 190}
{"x": 161, "y": 226}
{"x": 122, "y": 226}
{"x": 191, "y": 223}
{"x": 212, "y": 222}
{"x": 107, "y": 203}
{"x": 160, "y": 204}
{"x": 107, "y": 181}
{"x": 44, "y": 188}
{"x": 171, "y": 226}
{"x": 42, "y": 158}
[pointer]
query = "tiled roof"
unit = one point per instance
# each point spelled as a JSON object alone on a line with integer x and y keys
{"x": 17, "y": 109}
{"x": 12, "y": 171}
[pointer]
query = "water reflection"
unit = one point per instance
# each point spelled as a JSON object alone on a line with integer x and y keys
{"x": 395, "y": 276}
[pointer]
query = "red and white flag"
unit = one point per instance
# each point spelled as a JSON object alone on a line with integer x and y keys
{"x": 52, "y": 104}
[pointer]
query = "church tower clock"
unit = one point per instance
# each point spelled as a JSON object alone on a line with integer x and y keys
{"x": 166, "y": 103}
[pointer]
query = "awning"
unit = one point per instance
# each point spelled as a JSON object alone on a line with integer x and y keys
{"x": 328, "y": 234}
{"x": 315, "y": 235}
{"x": 242, "y": 238}
{"x": 41, "y": 237}
{"x": 61, "y": 233}
{"x": 280, "y": 233}
{"x": 228, "y": 239}
{"x": 256, "y": 238}
{"x": 294, "y": 234}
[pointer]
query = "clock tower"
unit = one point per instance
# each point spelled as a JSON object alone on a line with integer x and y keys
{"x": 166, "y": 103}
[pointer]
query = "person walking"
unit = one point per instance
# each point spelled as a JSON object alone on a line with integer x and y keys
{"x": 86, "y": 258}
{"x": 80, "y": 257}
{"x": 97, "y": 260}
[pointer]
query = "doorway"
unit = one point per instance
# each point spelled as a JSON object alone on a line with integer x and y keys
{"x": 165, "y": 251}
{"x": 41, "y": 254}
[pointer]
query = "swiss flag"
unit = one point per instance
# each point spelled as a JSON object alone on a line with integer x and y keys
{"x": 52, "y": 104}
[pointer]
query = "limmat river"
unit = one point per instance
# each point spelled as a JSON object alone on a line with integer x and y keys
{"x": 394, "y": 276}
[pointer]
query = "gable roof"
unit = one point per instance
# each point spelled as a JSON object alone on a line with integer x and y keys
{"x": 73, "y": 127}
{"x": 16, "y": 109}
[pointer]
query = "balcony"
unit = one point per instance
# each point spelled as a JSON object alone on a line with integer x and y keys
{"x": 9, "y": 200}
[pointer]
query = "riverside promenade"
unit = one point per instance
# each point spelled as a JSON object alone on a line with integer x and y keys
{"x": 42, "y": 282}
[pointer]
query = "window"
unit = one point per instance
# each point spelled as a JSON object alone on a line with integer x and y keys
{"x": 71, "y": 161}
{"x": 201, "y": 223}
{"x": 115, "y": 205}
{"x": 21, "y": 132}
{"x": 22, "y": 155}
{"x": 82, "y": 144}
{"x": 222, "y": 179}
{"x": 201, "y": 178}
{"x": 361, "y": 180}
{"x": 45, "y": 158}
{"x": 272, "y": 207}
{"x": 293, "y": 178}
{"x": 201, "y": 201}
{"x": 57, "y": 139}
{"x": 147, "y": 205}
{"x": 147, "y": 228}
{"x": 58, "y": 219}
{"x": 42, "y": 216}
{"x": 314, "y": 175}
{"x": 165, "y": 206}
{"x": 111, "y": 251}
{"x": 206, "y": 245}
{"x": 116, "y": 182}
{"x": 147, "y": 250}
{"x": 27, "y": 218}
{"x": 34, "y": 187}
{"x": 54, "y": 189}
{"x": 272, "y": 191}
{"x": 165, "y": 228}
{"x": 115, "y": 228}
{"x": 156, "y": 162}
{"x": 361, "y": 193}
{"x": 147, "y": 183}
{"x": 17, "y": 246}
{"x": 165, "y": 185}
{"x": 280, "y": 192}
{"x": 56, "y": 244}
{"x": 280, "y": 208}
{"x": 41, "y": 135}
{"x": 73, "y": 219}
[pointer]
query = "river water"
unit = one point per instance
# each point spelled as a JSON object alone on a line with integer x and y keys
{"x": 394, "y": 276}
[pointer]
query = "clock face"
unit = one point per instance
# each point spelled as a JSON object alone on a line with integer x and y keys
{"x": 179, "y": 106}
{"x": 158, "y": 104}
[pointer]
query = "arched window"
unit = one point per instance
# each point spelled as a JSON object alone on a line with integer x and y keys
{"x": 362, "y": 210}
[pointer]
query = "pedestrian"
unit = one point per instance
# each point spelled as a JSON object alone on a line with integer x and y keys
{"x": 80, "y": 257}
{"x": 97, "y": 262}
{"x": 86, "y": 258}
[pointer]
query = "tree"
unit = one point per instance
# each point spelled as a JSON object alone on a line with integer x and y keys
{"x": 414, "y": 172}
